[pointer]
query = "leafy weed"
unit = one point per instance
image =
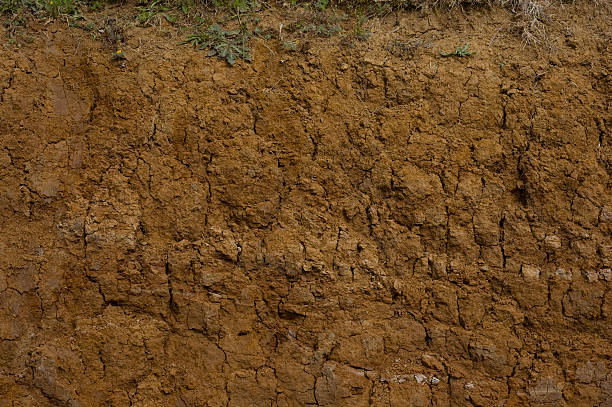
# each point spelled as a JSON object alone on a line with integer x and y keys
{"x": 225, "y": 44}
{"x": 459, "y": 52}
{"x": 19, "y": 6}
{"x": 147, "y": 14}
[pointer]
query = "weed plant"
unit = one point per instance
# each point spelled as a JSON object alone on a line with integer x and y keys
{"x": 460, "y": 51}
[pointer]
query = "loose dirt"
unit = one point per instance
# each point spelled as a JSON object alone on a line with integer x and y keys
{"x": 341, "y": 226}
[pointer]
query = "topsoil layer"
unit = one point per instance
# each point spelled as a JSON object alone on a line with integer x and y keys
{"x": 371, "y": 225}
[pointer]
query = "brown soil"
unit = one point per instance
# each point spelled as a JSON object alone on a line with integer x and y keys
{"x": 336, "y": 227}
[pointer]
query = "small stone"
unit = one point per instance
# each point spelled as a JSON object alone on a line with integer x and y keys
{"x": 344, "y": 67}
{"x": 605, "y": 274}
{"x": 605, "y": 215}
{"x": 552, "y": 242}
{"x": 438, "y": 267}
{"x": 563, "y": 274}
{"x": 584, "y": 247}
{"x": 420, "y": 378}
{"x": 592, "y": 276}
{"x": 530, "y": 272}
{"x": 547, "y": 391}
{"x": 435, "y": 380}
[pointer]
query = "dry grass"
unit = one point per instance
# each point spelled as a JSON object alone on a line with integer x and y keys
{"x": 531, "y": 15}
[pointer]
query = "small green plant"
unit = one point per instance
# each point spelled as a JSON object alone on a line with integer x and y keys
{"x": 360, "y": 32}
{"x": 95, "y": 5}
{"x": 113, "y": 32}
{"x": 187, "y": 5}
{"x": 317, "y": 23}
{"x": 459, "y": 52}
{"x": 225, "y": 44}
{"x": 62, "y": 7}
{"x": 90, "y": 26}
{"x": 237, "y": 7}
{"x": 290, "y": 45}
{"x": 321, "y": 4}
{"x": 321, "y": 30}
{"x": 146, "y": 14}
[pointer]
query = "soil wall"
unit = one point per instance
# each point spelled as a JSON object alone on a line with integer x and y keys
{"x": 335, "y": 227}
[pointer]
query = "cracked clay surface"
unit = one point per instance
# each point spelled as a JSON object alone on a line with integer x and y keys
{"x": 338, "y": 227}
